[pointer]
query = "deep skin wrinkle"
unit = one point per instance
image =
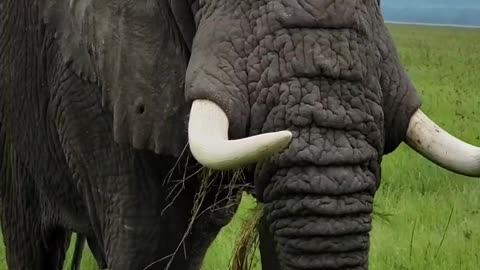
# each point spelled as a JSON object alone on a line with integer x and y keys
{"x": 101, "y": 86}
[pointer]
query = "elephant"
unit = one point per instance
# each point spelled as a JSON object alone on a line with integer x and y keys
{"x": 107, "y": 107}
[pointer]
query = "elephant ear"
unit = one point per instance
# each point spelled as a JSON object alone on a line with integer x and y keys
{"x": 400, "y": 97}
{"x": 142, "y": 87}
{"x": 72, "y": 21}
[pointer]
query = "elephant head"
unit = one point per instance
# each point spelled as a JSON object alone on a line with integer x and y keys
{"x": 310, "y": 94}
{"x": 321, "y": 83}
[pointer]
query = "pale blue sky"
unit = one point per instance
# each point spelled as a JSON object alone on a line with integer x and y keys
{"x": 460, "y": 12}
{"x": 433, "y": 3}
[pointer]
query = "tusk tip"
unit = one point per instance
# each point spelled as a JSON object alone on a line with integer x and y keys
{"x": 284, "y": 138}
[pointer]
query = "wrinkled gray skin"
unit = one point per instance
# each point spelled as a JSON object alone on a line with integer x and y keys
{"x": 89, "y": 90}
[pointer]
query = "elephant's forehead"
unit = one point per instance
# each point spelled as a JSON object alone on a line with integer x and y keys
{"x": 324, "y": 14}
{"x": 281, "y": 53}
{"x": 296, "y": 13}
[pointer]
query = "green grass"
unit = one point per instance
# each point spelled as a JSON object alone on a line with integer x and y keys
{"x": 428, "y": 218}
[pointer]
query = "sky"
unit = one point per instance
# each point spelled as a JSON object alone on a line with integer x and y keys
{"x": 462, "y": 12}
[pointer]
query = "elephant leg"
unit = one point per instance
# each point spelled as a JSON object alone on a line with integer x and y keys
{"x": 55, "y": 245}
{"x": 30, "y": 244}
{"x": 267, "y": 247}
{"x": 94, "y": 249}
{"x": 97, "y": 252}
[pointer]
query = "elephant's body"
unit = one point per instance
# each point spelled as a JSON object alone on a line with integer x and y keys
{"x": 42, "y": 200}
{"x": 53, "y": 147}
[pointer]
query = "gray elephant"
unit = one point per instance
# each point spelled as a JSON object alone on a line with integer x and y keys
{"x": 98, "y": 100}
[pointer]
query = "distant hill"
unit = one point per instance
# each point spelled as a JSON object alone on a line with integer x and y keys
{"x": 461, "y": 12}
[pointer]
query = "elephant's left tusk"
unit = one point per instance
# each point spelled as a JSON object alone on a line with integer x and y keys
{"x": 440, "y": 147}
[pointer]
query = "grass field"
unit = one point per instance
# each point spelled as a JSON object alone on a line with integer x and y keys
{"x": 427, "y": 217}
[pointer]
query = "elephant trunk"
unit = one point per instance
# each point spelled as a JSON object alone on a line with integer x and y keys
{"x": 320, "y": 217}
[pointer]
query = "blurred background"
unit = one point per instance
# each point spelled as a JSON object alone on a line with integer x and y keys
{"x": 453, "y": 12}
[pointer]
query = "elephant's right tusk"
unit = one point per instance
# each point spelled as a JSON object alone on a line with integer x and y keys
{"x": 208, "y": 139}
{"x": 440, "y": 147}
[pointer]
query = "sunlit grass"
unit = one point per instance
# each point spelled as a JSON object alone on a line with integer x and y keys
{"x": 428, "y": 218}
